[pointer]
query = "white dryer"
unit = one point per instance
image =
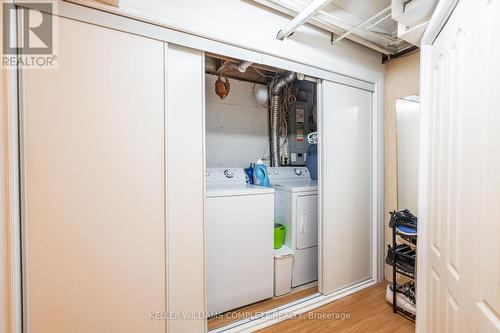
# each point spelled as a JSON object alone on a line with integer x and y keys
{"x": 239, "y": 222}
{"x": 296, "y": 206}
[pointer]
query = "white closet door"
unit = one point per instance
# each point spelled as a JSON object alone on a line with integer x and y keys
{"x": 451, "y": 195}
{"x": 93, "y": 184}
{"x": 345, "y": 186}
{"x": 487, "y": 240}
{"x": 459, "y": 252}
{"x": 185, "y": 188}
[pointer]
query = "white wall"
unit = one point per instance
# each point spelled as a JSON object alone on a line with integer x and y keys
{"x": 236, "y": 127}
{"x": 249, "y": 25}
{"x": 408, "y": 135}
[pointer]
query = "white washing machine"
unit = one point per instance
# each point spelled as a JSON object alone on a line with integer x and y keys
{"x": 239, "y": 222}
{"x": 296, "y": 206}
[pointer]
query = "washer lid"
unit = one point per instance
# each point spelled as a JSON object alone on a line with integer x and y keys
{"x": 296, "y": 185}
{"x": 225, "y": 190}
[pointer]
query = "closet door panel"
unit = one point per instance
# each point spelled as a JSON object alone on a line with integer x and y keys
{"x": 185, "y": 188}
{"x": 451, "y": 190}
{"x": 92, "y": 141}
{"x": 486, "y": 247}
{"x": 345, "y": 186}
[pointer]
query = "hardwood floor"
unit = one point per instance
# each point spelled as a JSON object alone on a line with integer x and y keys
{"x": 368, "y": 311}
{"x": 253, "y": 309}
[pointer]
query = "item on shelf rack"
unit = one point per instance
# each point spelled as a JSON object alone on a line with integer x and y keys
{"x": 405, "y": 258}
{"x": 403, "y": 219}
{"x": 408, "y": 289}
{"x": 402, "y": 258}
{"x": 406, "y": 231}
{"x": 405, "y": 297}
{"x": 412, "y": 239}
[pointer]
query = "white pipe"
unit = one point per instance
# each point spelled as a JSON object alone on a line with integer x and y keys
{"x": 242, "y": 67}
{"x": 362, "y": 24}
{"x": 379, "y": 21}
{"x": 301, "y": 18}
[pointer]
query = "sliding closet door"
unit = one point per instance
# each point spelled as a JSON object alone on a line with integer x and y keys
{"x": 93, "y": 184}
{"x": 186, "y": 178}
{"x": 345, "y": 186}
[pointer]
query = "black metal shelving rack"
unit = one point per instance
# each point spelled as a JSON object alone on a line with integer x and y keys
{"x": 397, "y": 270}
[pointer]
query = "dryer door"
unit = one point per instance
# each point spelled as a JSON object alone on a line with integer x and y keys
{"x": 307, "y": 221}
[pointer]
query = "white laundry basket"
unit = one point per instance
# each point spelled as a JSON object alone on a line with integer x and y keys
{"x": 283, "y": 264}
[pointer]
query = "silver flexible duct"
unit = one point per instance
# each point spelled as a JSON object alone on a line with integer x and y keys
{"x": 275, "y": 92}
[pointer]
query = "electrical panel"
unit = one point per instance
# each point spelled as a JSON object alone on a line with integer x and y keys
{"x": 301, "y": 122}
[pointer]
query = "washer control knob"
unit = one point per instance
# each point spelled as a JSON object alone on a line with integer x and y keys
{"x": 297, "y": 171}
{"x": 228, "y": 173}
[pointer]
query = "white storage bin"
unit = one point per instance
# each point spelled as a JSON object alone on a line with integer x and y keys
{"x": 283, "y": 264}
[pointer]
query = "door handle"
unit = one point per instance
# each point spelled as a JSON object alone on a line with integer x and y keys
{"x": 303, "y": 225}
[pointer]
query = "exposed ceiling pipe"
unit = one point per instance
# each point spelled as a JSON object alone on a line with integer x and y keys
{"x": 361, "y": 25}
{"x": 368, "y": 44}
{"x": 242, "y": 66}
{"x": 409, "y": 50}
{"x": 379, "y": 21}
{"x": 301, "y": 18}
{"x": 224, "y": 64}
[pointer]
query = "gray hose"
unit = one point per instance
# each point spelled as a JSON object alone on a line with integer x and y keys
{"x": 275, "y": 92}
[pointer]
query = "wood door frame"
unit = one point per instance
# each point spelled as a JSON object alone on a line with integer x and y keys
{"x": 10, "y": 270}
{"x": 441, "y": 15}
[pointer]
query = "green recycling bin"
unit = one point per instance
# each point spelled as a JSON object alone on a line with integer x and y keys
{"x": 279, "y": 235}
